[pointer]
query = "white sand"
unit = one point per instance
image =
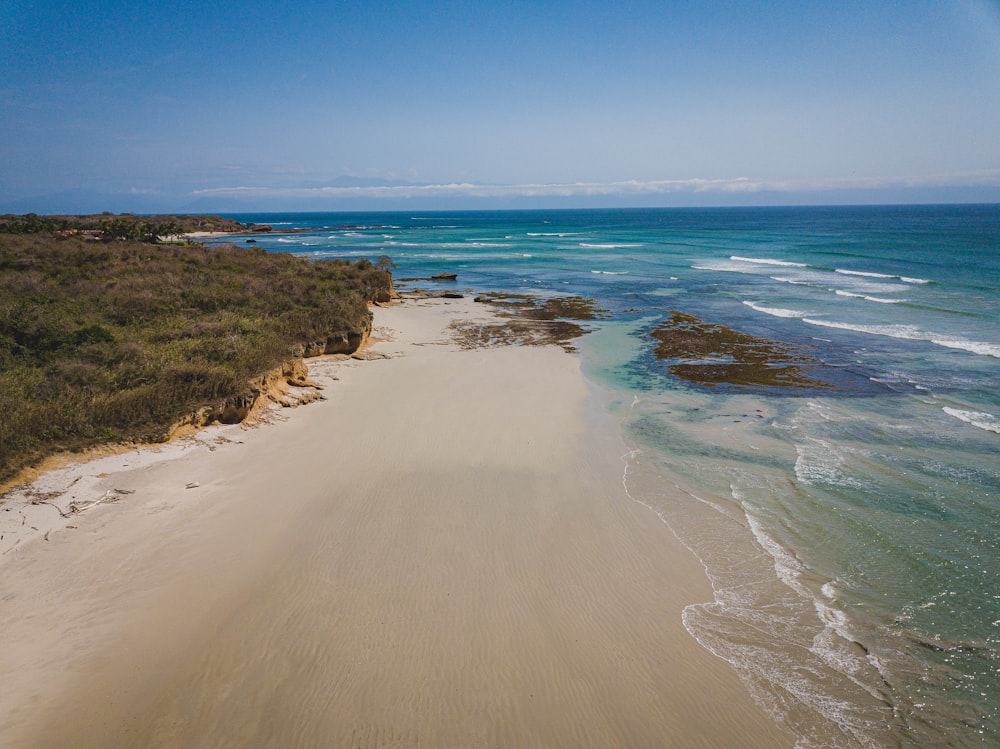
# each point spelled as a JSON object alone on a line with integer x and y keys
{"x": 440, "y": 554}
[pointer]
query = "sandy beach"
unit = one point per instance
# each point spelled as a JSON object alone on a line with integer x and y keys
{"x": 441, "y": 553}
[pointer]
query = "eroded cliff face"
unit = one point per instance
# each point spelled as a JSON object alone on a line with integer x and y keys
{"x": 275, "y": 386}
{"x": 340, "y": 342}
{"x": 287, "y": 385}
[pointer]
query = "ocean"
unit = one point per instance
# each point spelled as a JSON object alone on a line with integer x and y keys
{"x": 811, "y": 402}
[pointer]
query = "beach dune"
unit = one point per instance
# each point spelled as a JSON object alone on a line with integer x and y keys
{"x": 440, "y": 554}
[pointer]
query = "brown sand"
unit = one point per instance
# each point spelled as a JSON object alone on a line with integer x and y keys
{"x": 441, "y": 554}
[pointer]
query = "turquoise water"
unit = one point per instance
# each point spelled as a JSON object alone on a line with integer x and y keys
{"x": 851, "y": 533}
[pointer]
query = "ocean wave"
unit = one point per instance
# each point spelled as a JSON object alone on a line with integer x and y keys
{"x": 610, "y": 272}
{"x": 880, "y": 300}
{"x": 786, "y": 566}
{"x": 793, "y": 281}
{"x": 723, "y": 266}
{"x": 608, "y": 246}
{"x": 553, "y": 233}
{"x": 911, "y": 333}
{"x": 820, "y": 462}
{"x": 833, "y": 644}
{"x": 985, "y": 421}
{"x": 767, "y": 261}
{"x": 867, "y": 274}
{"x": 340, "y": 253}
{"x": 775, "y": 311}
{"x": 870, "y": 274}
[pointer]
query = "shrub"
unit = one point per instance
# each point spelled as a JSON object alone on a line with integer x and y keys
{"x": 117, "y": 340}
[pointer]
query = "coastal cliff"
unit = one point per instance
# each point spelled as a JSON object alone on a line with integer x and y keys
{"x": 274, "y": 386}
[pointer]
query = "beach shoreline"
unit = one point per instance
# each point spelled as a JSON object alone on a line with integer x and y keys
{"x": 441, "y": 552}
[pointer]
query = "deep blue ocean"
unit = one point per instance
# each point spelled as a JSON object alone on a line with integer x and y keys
{"x": 851, "y": 532}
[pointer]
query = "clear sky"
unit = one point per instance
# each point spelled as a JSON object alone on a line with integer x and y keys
{"x": 152, "y": 106}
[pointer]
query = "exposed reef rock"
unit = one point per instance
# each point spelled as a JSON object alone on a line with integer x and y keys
{"x": 421, "y": 294}
{"x": 709, "y": 354}
{"x": 548, "y": 308}
{"x": 529, "y": 321}
{"x": 435, "y": 277}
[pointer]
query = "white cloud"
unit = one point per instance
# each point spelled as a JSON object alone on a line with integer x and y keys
{"x": 626, "y": 187}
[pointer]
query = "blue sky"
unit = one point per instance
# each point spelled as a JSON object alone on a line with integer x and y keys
{"x": 262, "y": 105}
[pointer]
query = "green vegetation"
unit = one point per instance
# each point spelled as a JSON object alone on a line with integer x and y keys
{"x": 116, "y": 341}
{"x": 108, "y": 226}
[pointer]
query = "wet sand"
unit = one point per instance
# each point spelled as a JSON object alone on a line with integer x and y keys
{"x": 439, "y": 554}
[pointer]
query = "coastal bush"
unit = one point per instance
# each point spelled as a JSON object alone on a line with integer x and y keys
{"x": 109, "y": 227}
{"x": 119, "y": 340}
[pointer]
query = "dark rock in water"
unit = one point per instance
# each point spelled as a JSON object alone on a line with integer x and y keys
{"x": 551, "y": 308}
{"x": 251, "y": 241}
{"x": 529, "y": 321}
{"x": 444, "y": 277}
{"x": 262, "y": 228}
{"x": 709, "y": 354}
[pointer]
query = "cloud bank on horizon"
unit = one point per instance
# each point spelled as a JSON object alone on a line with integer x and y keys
{"x": 137, "y": 106}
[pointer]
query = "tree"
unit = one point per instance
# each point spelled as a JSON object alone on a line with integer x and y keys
{"x": 384, "y": 262}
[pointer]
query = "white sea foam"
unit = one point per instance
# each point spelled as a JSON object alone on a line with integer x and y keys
{"x": 775, "y": 311}
{"x": 766, "y": 261}
{"x": 792, "y": 281}
{"x": 880, "y": 300}
{"x": 820, "y": 462}
{"x": 610, "y": 272}
{"x": 715, "y": 267}
{"x": 865, "y": 273}
{"x": 607, "y": 246}
{"x": 869, "y": 274}
{"x": 985, "y": 421}
{"x": 786, "y": 567}
{"x": 911, "y": 333}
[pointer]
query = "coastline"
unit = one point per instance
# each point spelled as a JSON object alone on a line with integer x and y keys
{"x": 440, "y": 552}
